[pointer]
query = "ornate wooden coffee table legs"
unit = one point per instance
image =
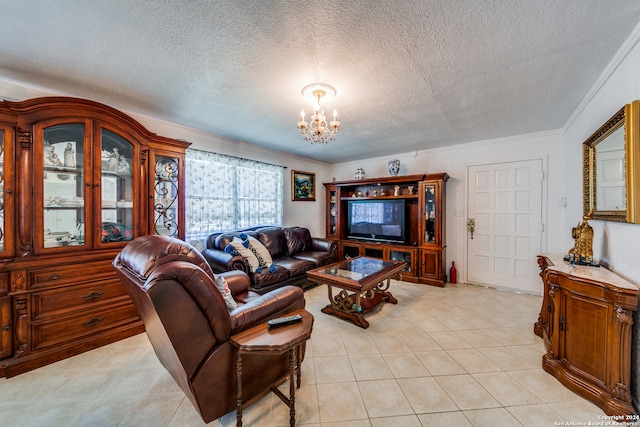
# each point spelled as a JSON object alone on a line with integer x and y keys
{"x": 363, "y": 284}
{"x": 351, "y": 306}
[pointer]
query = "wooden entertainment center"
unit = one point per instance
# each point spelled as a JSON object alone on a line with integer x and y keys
{"x": 423, "y": 248}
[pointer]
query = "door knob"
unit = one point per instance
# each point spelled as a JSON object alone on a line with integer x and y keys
{"x": 471, "y": 226}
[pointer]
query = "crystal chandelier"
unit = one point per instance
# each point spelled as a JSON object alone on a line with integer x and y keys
{"x": 318, "y": 130}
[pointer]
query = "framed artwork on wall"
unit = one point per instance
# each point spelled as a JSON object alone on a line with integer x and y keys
{"x": 303, "y": 186}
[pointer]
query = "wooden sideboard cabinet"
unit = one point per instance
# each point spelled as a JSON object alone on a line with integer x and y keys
{"x": 79, "y": 180}
{"x": 585, "y": 321}
{"x": 424, "y": 199}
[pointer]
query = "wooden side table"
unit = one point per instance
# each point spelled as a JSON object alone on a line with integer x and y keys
{"x": 262, "y": 340}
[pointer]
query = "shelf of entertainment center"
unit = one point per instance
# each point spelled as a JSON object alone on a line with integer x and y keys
{"x": 351, "y": 248}
{"x": 394, "y": 186}
{"x": 374, "y": 243}
{"x": 407, "y": 197}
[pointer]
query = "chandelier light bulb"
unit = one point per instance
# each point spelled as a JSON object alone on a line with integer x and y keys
{"x": 302, "y": 125}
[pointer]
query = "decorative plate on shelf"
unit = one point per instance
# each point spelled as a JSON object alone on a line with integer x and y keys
{"x": 114, "y": 232}
{"x": 71, "y": 202}
{"x": 56, "y": 238}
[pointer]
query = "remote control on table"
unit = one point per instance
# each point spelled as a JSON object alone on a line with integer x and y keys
{"x": 281, "y": 321}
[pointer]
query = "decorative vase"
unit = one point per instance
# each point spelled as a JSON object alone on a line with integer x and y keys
{"x": 360, "y": 173}
{"x": 453, "y": 273}
{"x": 394, "y": 167}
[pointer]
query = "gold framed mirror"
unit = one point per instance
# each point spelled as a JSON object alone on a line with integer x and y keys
{"x": 611, "y": 179}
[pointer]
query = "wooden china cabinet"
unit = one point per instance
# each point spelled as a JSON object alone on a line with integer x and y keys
{"x": 424, "y": 197}
{"x": 79, "y": 180}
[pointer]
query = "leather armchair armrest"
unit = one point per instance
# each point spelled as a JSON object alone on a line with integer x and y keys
{"x": 237, "y": 280}
{"x": 326, "y": 245}
{"x": 221, "y": 261}
{"x": 266, "y": 307}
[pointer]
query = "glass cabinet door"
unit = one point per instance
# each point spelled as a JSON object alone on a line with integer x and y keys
{"x": 117, "y": 215}
{"x": 406, "y": 255}
{"x": 333, "y": 204}
{"x": 430, "y": 213}
{"x": 2, "y": 184}
{"x": 166, "y": 193}
{"x": 63, "y": 185}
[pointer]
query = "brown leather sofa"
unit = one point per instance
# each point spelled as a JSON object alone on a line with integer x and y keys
{"x": 293, "y": 250}
{"x": 189, "y": 325}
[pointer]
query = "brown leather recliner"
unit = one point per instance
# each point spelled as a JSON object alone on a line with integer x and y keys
{"x": 189, "y": 325}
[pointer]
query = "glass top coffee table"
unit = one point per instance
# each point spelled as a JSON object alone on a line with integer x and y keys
{"x": 363, "y": 284}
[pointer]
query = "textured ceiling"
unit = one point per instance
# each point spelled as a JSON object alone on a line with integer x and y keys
{"x": 410, "y": 75}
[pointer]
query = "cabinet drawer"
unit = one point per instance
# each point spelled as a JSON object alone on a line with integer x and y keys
{"x": 57, "y": 302}
{"x": 71, "y": 274}
{"x": 83, "y": 324}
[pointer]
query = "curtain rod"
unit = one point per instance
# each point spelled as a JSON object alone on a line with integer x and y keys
{"x": 240, "y": 158}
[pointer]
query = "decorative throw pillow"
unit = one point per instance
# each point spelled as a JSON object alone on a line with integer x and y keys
{"x": 223, "y": 287}
{"x": 262, "y": 253}
{"x": 244, "y": 251}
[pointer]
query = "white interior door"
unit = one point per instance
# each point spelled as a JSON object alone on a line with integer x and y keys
{"x": 505, "y": 200}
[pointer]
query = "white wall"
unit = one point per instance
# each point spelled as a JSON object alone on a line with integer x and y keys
{"x": 456, "y": 160}
{"x": 307, "y": 214}
{"x": 615, "y": 245}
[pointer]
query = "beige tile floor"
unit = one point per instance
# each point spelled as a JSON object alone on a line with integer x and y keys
{"x": 455, "y": 356}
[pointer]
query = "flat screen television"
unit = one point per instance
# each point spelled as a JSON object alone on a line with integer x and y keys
{"x": 376, "y": 220}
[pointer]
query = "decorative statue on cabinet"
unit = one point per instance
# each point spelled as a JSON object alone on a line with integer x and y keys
{"x": 114, "y": 160}
{"x": 123, "y": 165}
{"x": 582, "y": 251}
{"x": 69, "y": 156}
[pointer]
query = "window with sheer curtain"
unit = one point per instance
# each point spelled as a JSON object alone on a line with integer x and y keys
{"x": 229, "y": 193}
